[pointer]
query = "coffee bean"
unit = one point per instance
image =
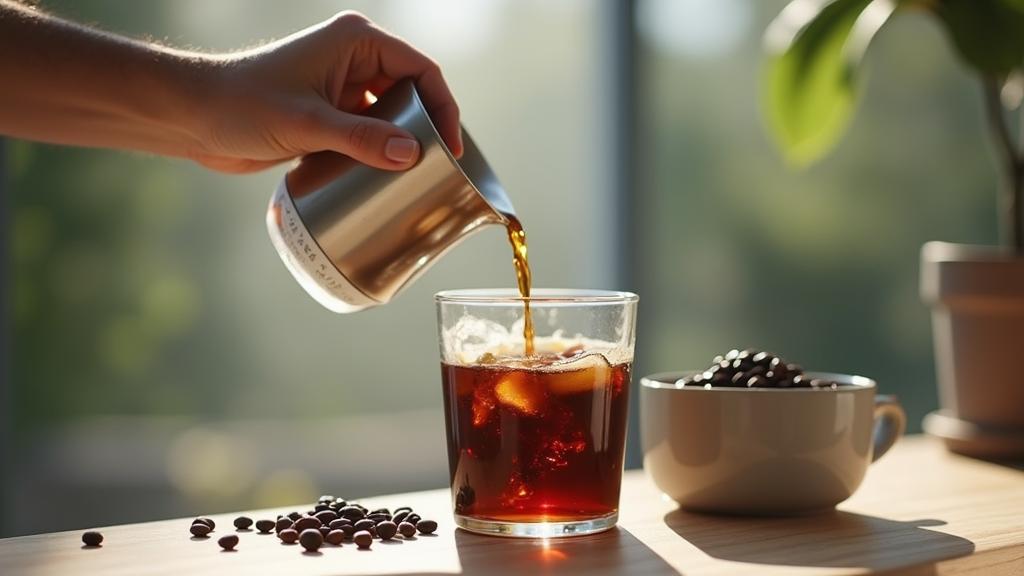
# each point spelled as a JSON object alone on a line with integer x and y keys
{"x": 295, "y": 515}
{"x": 412, "y": 518}
{"x": 368, "y": 525}
{"x": 311, "y": 539}
{"x": 426, "y": 526}
{"x": 339, "y": 522}
{"x": 378, "y": 517}
{"x": 758, "y": 381}
{"x": 400, "y": 516}
{"x": 334, "y": 537}
{"x": 228, "y": 542}
{"x": 199, "y": 530}
{"x": 324, "y": 530}
{"x": 406, "y": 529}
{"x": 351, "y": 512}
{"x": 243, "y": 523}
{"x": 307, "y": 522}
{"x": 349, "y": 530}
{"x": 92, "y": 538}
{"x": 386, "y": 530}
{"x": 265, "y": 526}
{"x": 320, "y": 508}
{"x": 325, "y": 516}
{"x": 283, "y": 523}
{"x": 208, "y": 521}
{"x": 383, "y": 511}
{"x": 363, "y": 539}
{"x": 288, "y": 535}
{"x": 721, "y": 378}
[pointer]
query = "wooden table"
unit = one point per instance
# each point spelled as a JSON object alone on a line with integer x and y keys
{"x": 921, "y": 511}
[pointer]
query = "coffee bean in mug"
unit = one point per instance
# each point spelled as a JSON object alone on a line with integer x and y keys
{"x": 764, "y": 451}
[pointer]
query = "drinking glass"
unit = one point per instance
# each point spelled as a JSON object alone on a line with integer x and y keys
{"x": 536, "y": 441}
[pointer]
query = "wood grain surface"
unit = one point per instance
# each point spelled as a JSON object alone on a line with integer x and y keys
{"x": 920, "y": 512}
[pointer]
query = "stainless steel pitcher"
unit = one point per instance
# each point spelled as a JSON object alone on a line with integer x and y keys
{"x": 355, "y": 236}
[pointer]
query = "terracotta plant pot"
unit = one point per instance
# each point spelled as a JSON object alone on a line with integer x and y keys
{"x": 977, "y": 299}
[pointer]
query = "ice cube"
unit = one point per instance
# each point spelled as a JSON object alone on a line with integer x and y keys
{"x": 582, "y": 374}
{"x": 520, "y": 391}
{"x": 483, "y": 405}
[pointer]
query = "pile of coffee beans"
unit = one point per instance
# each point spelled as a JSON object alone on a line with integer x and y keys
{"x": 330, "y": 521}
{"x": 753, "y": 368}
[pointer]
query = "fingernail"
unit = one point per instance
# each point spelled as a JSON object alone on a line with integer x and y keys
{"x": 401, "y": 149}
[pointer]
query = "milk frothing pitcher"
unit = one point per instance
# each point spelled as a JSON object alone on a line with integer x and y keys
{"x": 355, "y": 236}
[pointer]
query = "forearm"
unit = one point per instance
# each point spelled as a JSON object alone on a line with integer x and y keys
{"x": 67, "y": 84}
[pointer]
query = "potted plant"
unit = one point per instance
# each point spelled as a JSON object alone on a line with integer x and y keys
{"x": 815, "y": 49}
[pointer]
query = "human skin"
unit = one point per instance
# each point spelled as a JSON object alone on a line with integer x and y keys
{"x": 65, "y": 83}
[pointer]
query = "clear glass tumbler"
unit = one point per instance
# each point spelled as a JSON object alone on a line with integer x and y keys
{"x": 536, "y": 441}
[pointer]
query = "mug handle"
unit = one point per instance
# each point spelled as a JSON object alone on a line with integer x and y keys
{"x": 890, "y": 423}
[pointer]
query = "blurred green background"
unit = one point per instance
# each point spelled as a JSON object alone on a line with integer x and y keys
{"x": 164, "y": 363}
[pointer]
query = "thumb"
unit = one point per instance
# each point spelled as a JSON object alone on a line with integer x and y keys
{"x": 371, "y": 141}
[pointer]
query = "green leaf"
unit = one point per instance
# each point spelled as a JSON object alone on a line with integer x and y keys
{"x": 989, "y": 34}
{"x": 814, "y": 50}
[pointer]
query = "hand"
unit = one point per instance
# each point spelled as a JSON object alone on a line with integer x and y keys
{"x": 303, "y": 94}
{"x": 70, "y": 84}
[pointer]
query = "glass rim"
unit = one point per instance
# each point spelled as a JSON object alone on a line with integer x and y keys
{"x": 537, "y": 295}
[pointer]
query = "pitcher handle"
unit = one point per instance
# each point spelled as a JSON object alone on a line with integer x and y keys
{"x": 890, "y": 423}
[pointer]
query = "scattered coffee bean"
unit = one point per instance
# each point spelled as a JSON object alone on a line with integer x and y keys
{"x": 306, "y": 522}
{"x": 363, "y": 539}
{"x": 426, "y": 526}
{"x": 92, "y": 538}
{"x": 386, "y": 530}
{"x": 200, "y": 530}
{"x": 311, "y": 539}
{"x": 332, "y": 521}
{"x": 351, "y": 512}
{"x": 326, "y": 516}
{"x": 265, "y": 526}
{"x": 365, "y": 524}
{"x": 338, "y": 523}
{"x": 228, "y": 542}
{"x": 334, "y": 537}
{"x": 406, "y": 529}
{"x": 283, "y": 523}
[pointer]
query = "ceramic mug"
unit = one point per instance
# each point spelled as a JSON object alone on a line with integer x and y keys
{"x": 764, "y": 451}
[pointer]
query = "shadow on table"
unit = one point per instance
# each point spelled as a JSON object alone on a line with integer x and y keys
{"x": 836, "y": 539}
{"x": 615, "y": 551}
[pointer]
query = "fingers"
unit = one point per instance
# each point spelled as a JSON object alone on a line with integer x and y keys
{"x": 368, "y": 140}
{"x": 397, "y": 59}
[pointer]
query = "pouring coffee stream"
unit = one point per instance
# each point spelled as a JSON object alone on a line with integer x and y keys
{"x": 355, "y": 236}
{"x": 517, "y": 236}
